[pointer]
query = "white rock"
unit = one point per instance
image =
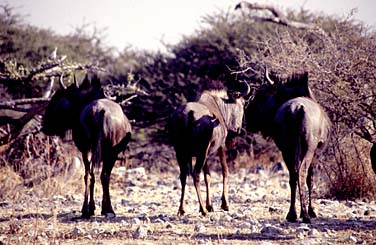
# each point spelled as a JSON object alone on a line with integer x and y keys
{"x": 77, "y": 231}
{"x": 314, "y": 233}
{"x": 352, "y": 239}
{"x": 199, "y": 227}
{"x": 303, "y": 227}
{"x": 141, "y": 232}
{"x": 271, "y": 230}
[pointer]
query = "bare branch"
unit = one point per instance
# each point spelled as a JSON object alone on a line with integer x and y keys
{"x": 12, "y": 103}
{"x": 278, "y": 17}
{"x": 128, "y": 99}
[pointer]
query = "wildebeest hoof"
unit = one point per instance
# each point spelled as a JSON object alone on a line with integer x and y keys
{"x": 306, "y": 220}
{"x": 225, "y": 207}
{"x": 181, "y": 213}
{"x": 291, "y": 217}
{"x": 85, "y": 216}
{"x": 312, "y": 213}
{"x": 203, "y": 211}
{"x": 210, "y": 208}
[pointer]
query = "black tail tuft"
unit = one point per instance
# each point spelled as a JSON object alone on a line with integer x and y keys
{"x": 122, "y": 144}
{"x": 97, "y": 151}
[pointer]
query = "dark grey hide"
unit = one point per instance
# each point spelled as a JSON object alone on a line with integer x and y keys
{"x": 289, "y": 113}
{"x": 199, "y": 129}
{"x": 100, "y": 131}
{"x": 373, "y": 157}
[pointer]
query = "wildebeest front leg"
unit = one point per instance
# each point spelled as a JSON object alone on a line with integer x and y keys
{"x": 200, "y": 161}
{"x": 108, "y": 164}
{"x": 225, "y": 172}
{"x": 209, "y": 205}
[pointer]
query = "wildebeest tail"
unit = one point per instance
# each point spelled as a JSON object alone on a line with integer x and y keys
{"x": 122, "y": 144}
{"x": 299, "y": 134}
{"x": 96, "y": 158}
{"x": 190, "y": 122}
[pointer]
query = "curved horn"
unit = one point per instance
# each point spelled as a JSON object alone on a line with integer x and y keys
{"x": 266, "y": 75}
{"x": 247, "y": 90}
{"x": 62, "y": 82}
{"x": 75, "y": 80}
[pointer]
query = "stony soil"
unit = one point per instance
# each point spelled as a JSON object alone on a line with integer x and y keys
{"x": 146, "y": 205}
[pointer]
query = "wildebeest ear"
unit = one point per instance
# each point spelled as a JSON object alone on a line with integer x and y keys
{"x": 95, "y": 82}
{"x": 304, "y": 80}
{"x": 85, "y": 83}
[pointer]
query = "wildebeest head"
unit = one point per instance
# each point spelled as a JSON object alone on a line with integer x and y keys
{"x": 270, "y": 96}
{"x": 227, "y": 107}
{"x": 66, "y": 104}
{"x": 236, "y": 103}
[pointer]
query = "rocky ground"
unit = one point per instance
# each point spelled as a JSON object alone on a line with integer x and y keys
{"x": 146, "y": 204}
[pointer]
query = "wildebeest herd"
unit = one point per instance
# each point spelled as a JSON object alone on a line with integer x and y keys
{"x": 286, "y": 111}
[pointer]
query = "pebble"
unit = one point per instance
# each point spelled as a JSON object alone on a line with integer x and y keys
{"x": 271, "y": 230}
{"x": 141, "y": 232}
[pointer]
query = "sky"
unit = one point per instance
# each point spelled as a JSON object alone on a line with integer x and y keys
{"x": 146, "y": 24}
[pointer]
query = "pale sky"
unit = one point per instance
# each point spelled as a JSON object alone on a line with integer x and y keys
{"x": 144, "y": 23}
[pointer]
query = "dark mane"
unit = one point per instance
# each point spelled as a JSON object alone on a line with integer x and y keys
{"x": 301, "y": 77}
{"x": 297, "y": 83}
{"x": 213, "y": 85}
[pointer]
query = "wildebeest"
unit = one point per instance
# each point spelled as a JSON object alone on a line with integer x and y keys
{"x": 373, "y": 157}
{"x": 199, "y": 129}
{"x": 289, "y": 113}
{"x": 100, "y": 130}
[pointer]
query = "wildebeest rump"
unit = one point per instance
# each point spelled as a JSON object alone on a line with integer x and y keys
{"x": 373, "y": 157}
{"x": 100, "y": 131}
{"x": 289, "y": 113}
{"x": 199, "y": 129}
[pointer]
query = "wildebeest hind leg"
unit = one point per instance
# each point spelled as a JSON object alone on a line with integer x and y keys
{"x": 184, "y": 170}
{"x": 108, "y": 163}
{"x": 200, "y": 161}
{"x": 209, "y": 205}
{"x": 92, "y": 202}
{"x": 292, "y": 216}
{"x": 302, "y": 178}
{"x": 222, "y": 157}
{"x": 311, "y": 210}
